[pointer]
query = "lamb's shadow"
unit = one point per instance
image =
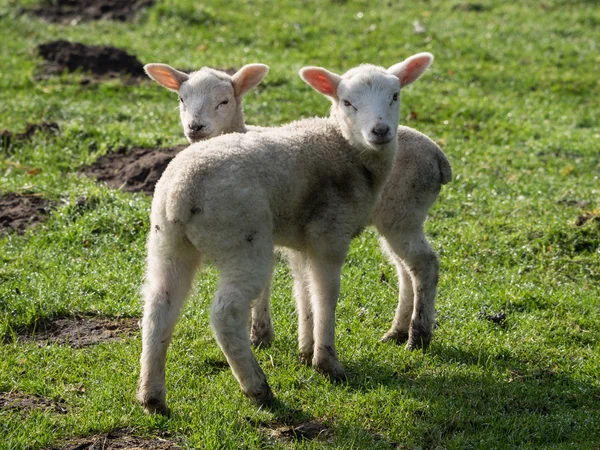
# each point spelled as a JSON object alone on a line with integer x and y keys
{"x": 469, "y": 390}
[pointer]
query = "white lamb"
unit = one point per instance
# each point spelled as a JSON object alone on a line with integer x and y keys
{"x": 210, "y": 101}
{"x": 308, "y": 186}
{"x": 419, "y": 171}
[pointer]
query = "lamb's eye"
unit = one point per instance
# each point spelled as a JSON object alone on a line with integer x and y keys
{"x": 181, "y": 100}
{"x": 395, "y": 97}
{"x": 224, "y": 102}
{"x": 348, "y": 104}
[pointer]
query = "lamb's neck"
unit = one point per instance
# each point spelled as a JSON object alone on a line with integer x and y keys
{"x": 238, "y": 124}
{"x": 378, "y": 162}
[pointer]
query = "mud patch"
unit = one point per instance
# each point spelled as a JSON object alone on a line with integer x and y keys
{"x": 80, "y": 331}
{"x": 75, "y": 11}
{"x": 135, "y": 170}
{"x": 123, "y": 439}
{"x": 8, "y": 139}
{"x": 17, "y": 401}
{"x": 305, "y": 431}
{"x": 102, "y": 61}
{"x": 19, "y": 212}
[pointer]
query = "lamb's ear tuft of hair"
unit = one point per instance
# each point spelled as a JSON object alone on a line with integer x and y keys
{"x": 411, "y": 68}
{"x": 166, "y": 76}
{"x": 321, "y": 80}
{"x": 248, "y": 77}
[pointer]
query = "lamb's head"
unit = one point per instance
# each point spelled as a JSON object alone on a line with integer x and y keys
{"x": 366, "y": 99}
{"x": 210, "y": 101}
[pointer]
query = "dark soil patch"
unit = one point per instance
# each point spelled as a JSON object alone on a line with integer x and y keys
{"x": 497, "y": 318}
{"x": 19, "y": 212}
{"x": 123, "y": 439}
{"x": 8, "y": 139}
{"x": 80, "y": 331}
{"x": 24, "y": 402}
{"x": 134, "y": 170}
{"x": 74, "y": 11}
{"x": 102, "y": 61}
{"x": 305, "y": 431}
{"x": 586, "y": 217}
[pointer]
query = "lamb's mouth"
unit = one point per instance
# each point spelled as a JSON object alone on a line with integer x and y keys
{"x": 195, "y": 137}
{"x": 379, "y": 142}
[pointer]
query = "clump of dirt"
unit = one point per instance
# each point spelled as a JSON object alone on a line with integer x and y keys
{"x": 134, "y": 170}
{"x": 80, "y": 331}
{"x": 308, "y": 431}
{"x": 8, "y": 138}
{"x": 101, "y": 60}
{"x": 74, "y": 11}
{"x": 19, "y": 212}
{"x": 123, "y": 439}
{"x": 24, "y": 402}
{"x": 497, "y": 318}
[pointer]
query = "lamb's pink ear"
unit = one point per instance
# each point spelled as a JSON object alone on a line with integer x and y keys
{"x": 411, "y": 68}
{"x": 321, "y": 80}
{"x": 166, "y": 76}
{"x": 248, "y": 77}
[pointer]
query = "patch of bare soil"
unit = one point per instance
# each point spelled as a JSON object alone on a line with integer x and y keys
{"x": 102, "y": 61}
{"x": 19, "y": 212}
{"x": 80, "y": 331}
{"x": 133, "y": 170}
{"x": 24, "y": 402}
{"x": 305, "y": 431}
{"x": 8, "y": 139}
{"x": 75, "y": 11}
{"x": 123, "y": 439}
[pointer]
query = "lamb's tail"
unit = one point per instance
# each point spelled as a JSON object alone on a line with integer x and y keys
{"x": 179, "y": 206}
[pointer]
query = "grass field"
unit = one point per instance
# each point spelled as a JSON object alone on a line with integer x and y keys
{"x": 512, "y": 98}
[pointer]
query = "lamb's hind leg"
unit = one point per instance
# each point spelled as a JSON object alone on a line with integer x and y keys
{"x": 261, "y": 330}
{"x": 230, "y": 313}
{"x": 401, "y": 324}
{"x": 417, "y": 256}
{"x": 168, "y": 282}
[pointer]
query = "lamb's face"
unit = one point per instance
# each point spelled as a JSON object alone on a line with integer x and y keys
{"x": 368, "y": 107}
{"x": 207, "y": 106}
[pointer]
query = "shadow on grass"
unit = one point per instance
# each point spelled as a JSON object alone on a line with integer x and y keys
{"x": 468, "y": 396}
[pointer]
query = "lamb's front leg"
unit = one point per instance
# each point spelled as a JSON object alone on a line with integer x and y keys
{"x": 300, "y": 266}
{"x": 325, "y": 291}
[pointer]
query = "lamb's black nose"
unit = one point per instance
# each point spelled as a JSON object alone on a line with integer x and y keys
{"x": 194, "y": 126}
{"x": 380, "y": 130}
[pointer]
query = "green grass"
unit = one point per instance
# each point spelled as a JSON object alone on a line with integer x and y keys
{"x": 512, "y": 98}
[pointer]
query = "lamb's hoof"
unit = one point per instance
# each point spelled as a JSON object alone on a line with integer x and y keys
{"x": 262, "y": 397}
{"x": 155, "y": 406}
{"x": 333, "y": 371}
{"x": 418, "y": 341}
{"x": 262, "y": 337}
{"x": 305, "y": 358}
{"x": 399, "y": 337}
